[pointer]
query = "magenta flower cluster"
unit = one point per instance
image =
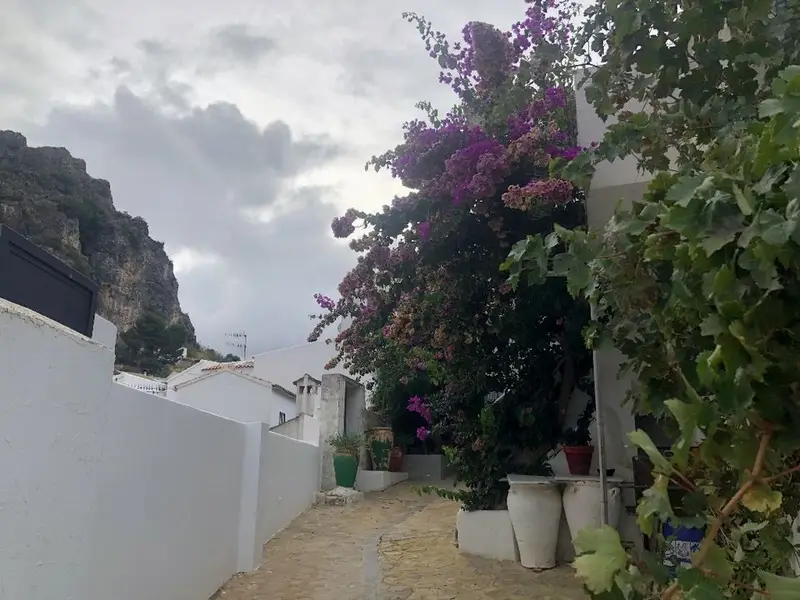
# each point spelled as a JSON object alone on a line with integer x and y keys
{"x": 543, "y": 191}
{"x": 475, "y": 171}
{"x": 418, "y": 405}
{"x": 324, "y": 302}
{"x": 488, "y": 57}
{"x": 344, "y": 226}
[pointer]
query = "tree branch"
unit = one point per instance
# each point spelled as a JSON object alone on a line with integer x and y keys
{"x": 769, "y": 480}
{"x": 728, "y": 509}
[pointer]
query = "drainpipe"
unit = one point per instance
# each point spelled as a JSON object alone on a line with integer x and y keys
{"x": 601, "y": 434}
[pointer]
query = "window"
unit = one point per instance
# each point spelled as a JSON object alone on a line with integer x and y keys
{"x": 281, "y": 418}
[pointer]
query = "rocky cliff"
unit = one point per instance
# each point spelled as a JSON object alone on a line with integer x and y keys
{"x": 47, "y": 196}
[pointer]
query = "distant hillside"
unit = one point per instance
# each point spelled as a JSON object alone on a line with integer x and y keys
{"x": 47, "y": 196}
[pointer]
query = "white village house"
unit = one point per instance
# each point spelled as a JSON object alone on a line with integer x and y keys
{"x": 245, "y": 397}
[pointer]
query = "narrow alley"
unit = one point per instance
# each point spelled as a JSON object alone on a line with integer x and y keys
{"x": 395, "y": 545}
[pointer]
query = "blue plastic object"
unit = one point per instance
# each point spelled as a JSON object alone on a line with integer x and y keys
{"x": 681, "y": 544}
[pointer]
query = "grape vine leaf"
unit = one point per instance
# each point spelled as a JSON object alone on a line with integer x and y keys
{"x": 654, "y": 504}
{"x": 642, "y": 440}
{"x": 602, "y": 557}
{"x": 687, "y": 416}
{"x": 780, "y": 588}
{"x": 718, "y": 563}
{"x": 760, "y": 498}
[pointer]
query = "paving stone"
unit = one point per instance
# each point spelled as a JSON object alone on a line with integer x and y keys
{"x": 393, "y": 545}
{"x": 340, "y": 496}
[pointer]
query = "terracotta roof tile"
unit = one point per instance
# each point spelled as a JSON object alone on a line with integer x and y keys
{"x": 231, "y": 366}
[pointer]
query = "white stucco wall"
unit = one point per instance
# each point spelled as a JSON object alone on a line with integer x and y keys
{"x": 591, "y": 128}
{"x": 109, "y": 492}
{"x": 288, "y": 484}
{"x": 286, "y": 365}
{"x": 235, "y": 397}
{"x": 105, "y": 332}
{"x": 55, "y": 387}
{"x": 168, "y": 518}
{"x": 303, "y": 427}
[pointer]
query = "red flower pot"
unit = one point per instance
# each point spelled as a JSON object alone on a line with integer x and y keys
{"x": 396, "y": 460}
{"x": 579, "y": 459}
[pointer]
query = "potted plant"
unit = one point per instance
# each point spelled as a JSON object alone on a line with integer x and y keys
{"x": 396, "y": 459}
{"x": 575, "y": 443}
{"x": 380, "y": 443}
{"x": 347, "y": 449}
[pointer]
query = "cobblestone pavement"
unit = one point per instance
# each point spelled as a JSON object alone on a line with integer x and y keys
{"x": 394, "y": 545}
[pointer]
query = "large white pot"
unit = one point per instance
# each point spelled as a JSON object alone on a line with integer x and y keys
{"x": 535, "y": 511}
{"x": 583, "y": 506}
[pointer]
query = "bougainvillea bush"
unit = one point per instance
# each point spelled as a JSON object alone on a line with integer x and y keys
{"x": 698, "y": 285}
{"x": 401, "y": 384}
{"x": 427, "y": 293}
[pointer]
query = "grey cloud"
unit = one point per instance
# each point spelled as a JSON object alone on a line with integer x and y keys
{"x": 240, "y": 43}
{"x": 120, "y": 66}
{"x": 368, "y": 70}
{"x": 157, "y": 51}
{"x": 75, "y": 23}
{"x": 196, "y": 179}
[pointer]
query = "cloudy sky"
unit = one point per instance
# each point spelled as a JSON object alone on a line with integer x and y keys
{"x": 237, "y": 128}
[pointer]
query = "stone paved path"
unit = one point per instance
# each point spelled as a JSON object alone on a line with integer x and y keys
{"x": 394, "y": 545}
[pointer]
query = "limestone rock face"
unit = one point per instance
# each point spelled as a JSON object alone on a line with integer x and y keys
{"x": 47, "y": 196}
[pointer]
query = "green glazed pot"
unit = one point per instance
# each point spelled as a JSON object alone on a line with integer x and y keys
{"x": 345, "y": 468}
{"x": 380, "y": 450}
{"x": 380, "y": 441}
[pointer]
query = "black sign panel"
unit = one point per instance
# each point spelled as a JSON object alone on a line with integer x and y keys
{"x": 35, "y": 279}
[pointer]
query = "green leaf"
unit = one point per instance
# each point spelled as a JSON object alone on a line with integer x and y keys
{"x": 744, "y": 203}
{"x": 770, "y": 108}
{"x": 717, "y": 562}
{"x": 656, "y": 567}
{"x": 685, "y": 189}
{"x": 773, "y": 228}
{"x": 751, "y": 527}
{"x": 762, "y": 499}
{"x": 642, "y": 440}
{"x": 712, "y": 325}
{"x": 654, "y": 504}
{"x": 687, "y": 416}
{"x": 724, "y": 283}
{"x": 601, "y": 557}
{"x": 717, "y": 240}
{"x": 781, "y": 588}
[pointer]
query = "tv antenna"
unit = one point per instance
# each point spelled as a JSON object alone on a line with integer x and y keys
{"x": 238, "y": 340}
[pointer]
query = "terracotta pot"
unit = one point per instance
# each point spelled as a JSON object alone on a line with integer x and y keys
{"x": 579, "y": 459}
{"x": 396, "y": 459}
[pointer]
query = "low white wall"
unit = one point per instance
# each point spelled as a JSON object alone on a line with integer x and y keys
{"x": 104, "y": 332}
{"x": 109, "y": 492}
{"x": 168, "y": 518}
{"x": 302, "y": 427}
{"x": 288, "y": 483}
